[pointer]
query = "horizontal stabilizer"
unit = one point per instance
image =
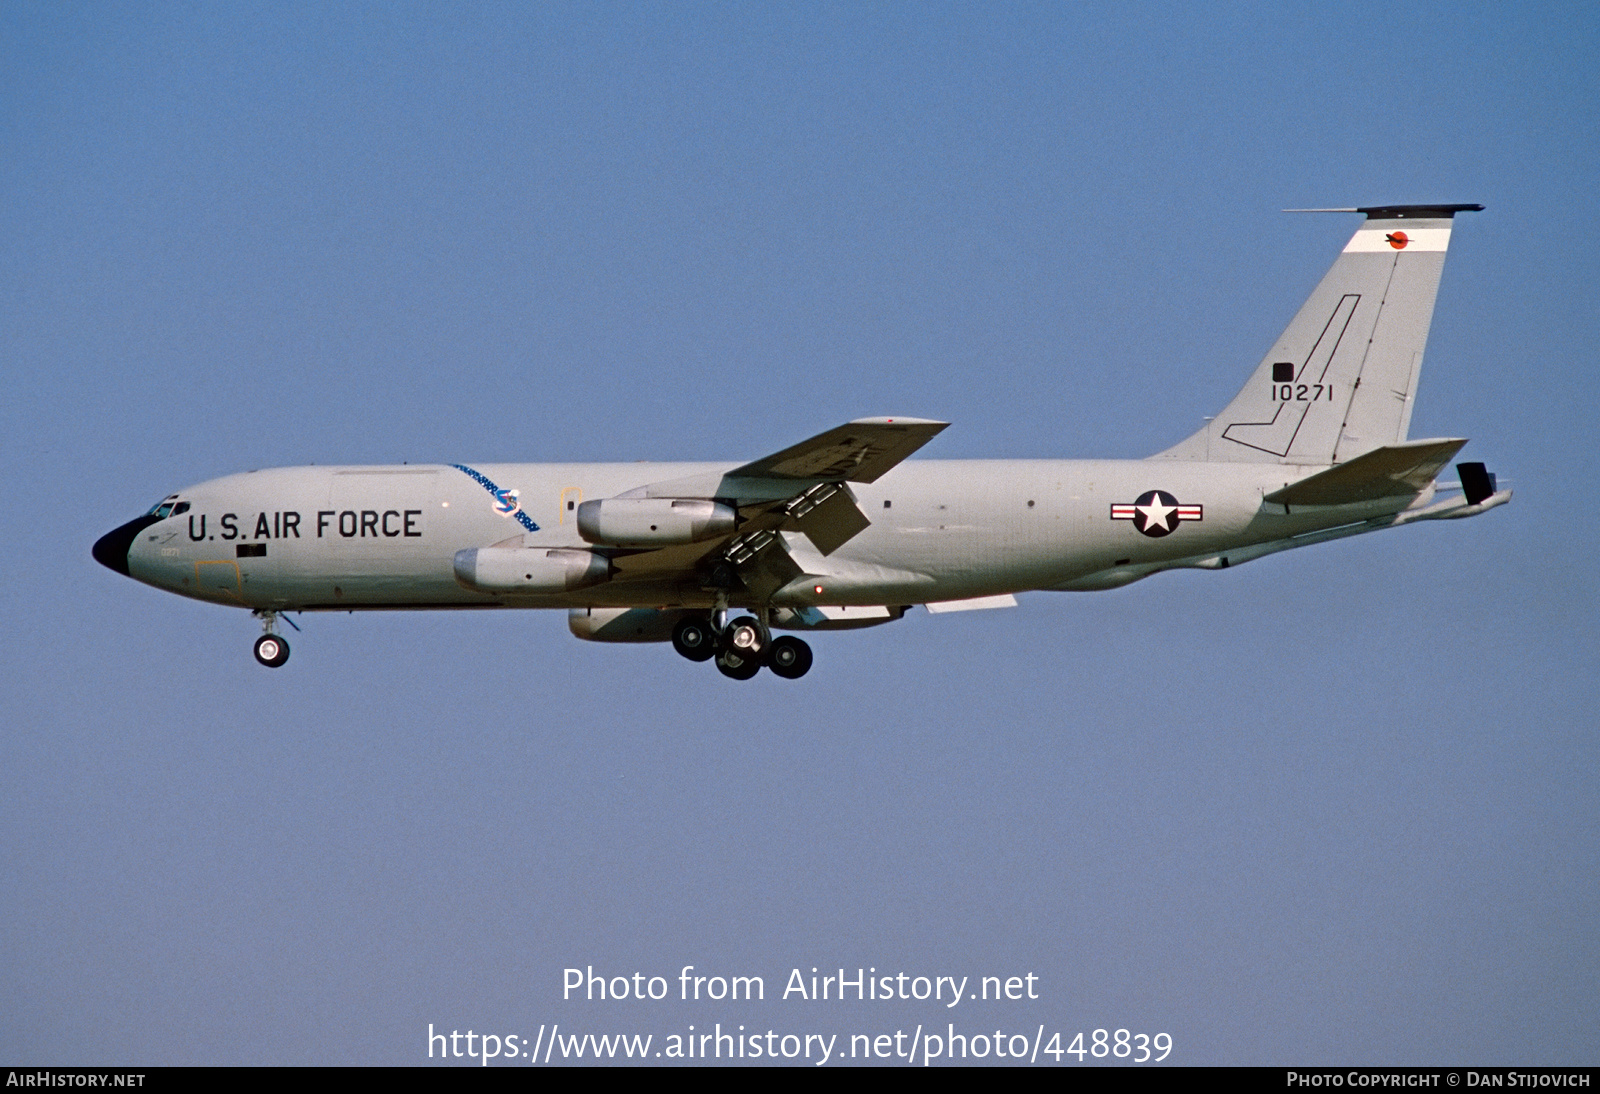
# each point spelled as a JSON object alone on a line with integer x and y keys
{"x": 858, "y": 452}
{"x": 1393, "y": 471}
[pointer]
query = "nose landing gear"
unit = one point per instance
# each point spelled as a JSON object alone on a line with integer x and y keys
{"x": 271, "y": 649}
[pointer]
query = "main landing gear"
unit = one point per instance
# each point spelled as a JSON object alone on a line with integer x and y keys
{"x": 789, "y": 657}
{"x": 741, "y": 647}
{"x": 695, "y": 639}
{"x": 271, "y": 649}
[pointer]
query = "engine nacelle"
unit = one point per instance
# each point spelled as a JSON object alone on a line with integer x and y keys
{"x": 529, "y": 570}
{"x": 623, "y": 624}
{"x": 653, "y": 522}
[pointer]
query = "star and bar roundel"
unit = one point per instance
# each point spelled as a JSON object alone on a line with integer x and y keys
{"x": 1156, "y": 513}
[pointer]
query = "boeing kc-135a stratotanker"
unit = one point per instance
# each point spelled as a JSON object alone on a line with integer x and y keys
{"x": 837, "y": 532}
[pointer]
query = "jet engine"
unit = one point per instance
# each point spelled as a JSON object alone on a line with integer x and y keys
{"x": 529, "y": 569}
{"x": 653, "y": 522}
{"x": 623, "y": 624}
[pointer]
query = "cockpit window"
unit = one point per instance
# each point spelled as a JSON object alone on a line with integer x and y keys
{"x": 168, "y": 506}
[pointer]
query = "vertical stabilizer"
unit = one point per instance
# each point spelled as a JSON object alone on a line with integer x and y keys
{"x": 1342, "y": 379}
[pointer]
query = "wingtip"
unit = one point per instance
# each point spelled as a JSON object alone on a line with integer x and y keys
{"x": 897, "y": 420}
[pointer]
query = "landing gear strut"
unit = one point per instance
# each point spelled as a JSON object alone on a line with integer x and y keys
{"x": 271, "y": 650}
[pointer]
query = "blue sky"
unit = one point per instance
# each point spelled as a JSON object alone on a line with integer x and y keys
{"x": 1333, "y": 807}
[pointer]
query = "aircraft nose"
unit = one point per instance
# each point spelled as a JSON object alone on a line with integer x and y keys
{"x": 111, "y": 549}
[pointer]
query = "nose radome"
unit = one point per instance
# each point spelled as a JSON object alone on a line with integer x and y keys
{"x": 111, "y": 549}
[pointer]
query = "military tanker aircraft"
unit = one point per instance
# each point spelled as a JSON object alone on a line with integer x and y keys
{"x": 837, "y": 532}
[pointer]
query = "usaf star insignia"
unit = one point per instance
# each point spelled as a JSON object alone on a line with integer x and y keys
{"x": 1156, "y": 513}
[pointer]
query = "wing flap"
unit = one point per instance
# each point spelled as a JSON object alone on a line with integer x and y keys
{"x": 1393, "y": 471}
{"x": 763, "y": 562}
{"x": 828, "y": 516}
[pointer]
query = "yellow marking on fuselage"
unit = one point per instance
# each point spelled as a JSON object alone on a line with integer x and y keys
{"x": 221, "y": 586}
{"x": 561, "y": 509}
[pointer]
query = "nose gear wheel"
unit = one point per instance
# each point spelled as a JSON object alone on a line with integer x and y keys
{"x": 272, "y": 651}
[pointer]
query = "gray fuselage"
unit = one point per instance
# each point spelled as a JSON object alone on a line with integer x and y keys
{"x": 346, "y": 538}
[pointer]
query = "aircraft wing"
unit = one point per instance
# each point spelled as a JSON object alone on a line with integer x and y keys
{"x": 859, "y": 451}
{"x": 1396, "y": 470}
{"x": 800, "y": 489}
{"x": 826, "y": 513}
